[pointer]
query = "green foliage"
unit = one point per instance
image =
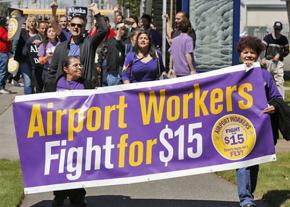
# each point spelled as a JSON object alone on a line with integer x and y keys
{"x": 273, "y": 181}
{"x": 11, "y": 192}
{"x": 287, "y": 92}
{"x": 132, "y": 5}
{"x": 287, "y": 83}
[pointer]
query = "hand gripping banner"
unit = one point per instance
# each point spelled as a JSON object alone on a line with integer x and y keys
{"x": 138, "y": 132}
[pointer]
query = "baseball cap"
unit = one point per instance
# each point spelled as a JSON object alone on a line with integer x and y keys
{"x": 278, "y": 25}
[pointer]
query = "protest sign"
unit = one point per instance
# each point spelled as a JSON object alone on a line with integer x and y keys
{"x": 143, "y": 131}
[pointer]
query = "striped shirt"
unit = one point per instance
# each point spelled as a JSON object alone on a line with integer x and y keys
{"x": 276, "y": 46}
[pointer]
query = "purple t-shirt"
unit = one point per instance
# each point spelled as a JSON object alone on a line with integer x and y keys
{"x": 181, "y": 45}
{"x": 45, "y": 49}
{"x": 140, "y": 71}
{"x": 64, "y": 85}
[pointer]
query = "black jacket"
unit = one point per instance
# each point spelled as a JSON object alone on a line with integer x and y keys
{"x": 19, "y": 55}
{"x": 112, "y": 55}
{"x": 281, "y": 119}
{"x": 88, "y": 46}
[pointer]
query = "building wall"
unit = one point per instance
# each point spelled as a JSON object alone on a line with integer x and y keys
{"x": 266, "y": 18}
{"x": 263, "y": 18}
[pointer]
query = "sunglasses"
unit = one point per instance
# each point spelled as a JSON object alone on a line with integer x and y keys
{"x": 78, "y": 25}
{"x": 122, "y": 28}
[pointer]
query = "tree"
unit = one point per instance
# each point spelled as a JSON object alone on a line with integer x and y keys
{"x": 4, "y": 8}
{"x": 132, "y": 5}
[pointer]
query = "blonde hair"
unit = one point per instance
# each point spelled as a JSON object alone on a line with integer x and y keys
{"x": 30, "y": 18}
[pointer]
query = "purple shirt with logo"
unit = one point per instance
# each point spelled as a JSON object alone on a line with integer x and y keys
{"x": 46, "y": 49}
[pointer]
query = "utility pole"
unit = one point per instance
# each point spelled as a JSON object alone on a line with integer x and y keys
{"x": 164, "y": 11}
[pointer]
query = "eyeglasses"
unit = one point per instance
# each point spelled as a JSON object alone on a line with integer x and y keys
{"x": 76, "y": 66}
{"x": 78, "y": 25}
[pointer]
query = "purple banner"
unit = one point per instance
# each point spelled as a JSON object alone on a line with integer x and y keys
{"x": 145, "y": 131}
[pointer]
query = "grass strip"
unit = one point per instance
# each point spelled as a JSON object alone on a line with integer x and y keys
{"x": 273, "y": 181}
{"x": 11, "y": 192}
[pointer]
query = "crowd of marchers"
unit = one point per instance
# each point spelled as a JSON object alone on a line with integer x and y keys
{"x": 60, "y": 54}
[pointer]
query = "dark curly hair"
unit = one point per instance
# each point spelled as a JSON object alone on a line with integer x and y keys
{"x": 250, "y": 42}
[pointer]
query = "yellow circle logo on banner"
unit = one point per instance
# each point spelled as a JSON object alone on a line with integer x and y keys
{"x": 12, "y": 28}
{"x": 234, "y": 136}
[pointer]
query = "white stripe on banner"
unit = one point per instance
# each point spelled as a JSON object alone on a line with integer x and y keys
{"x": 152, "y": 177}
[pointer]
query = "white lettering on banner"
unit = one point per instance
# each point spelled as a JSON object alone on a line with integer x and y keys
{"x": 66, "y": 157}
{"x": 49, "y": 156}
{"x": 70, "y": 160}
{"x": 167, "y": 133}
{"x": 194, "y": 136}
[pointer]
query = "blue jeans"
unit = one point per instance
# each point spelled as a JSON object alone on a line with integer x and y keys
{"x": 247, "y": 181}
{"x": 3, "y": 69}
{"x": 26, "y": 71}
{"x": 111, "y": 79}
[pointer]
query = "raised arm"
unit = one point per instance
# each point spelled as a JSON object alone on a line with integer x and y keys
{"x": 102, "y": 28}
{"x": 169, "y": 29}
{"x": 53, "y": 21}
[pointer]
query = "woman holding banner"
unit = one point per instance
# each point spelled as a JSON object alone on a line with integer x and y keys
{"x": 71, "y": 80}
{"x": 249, "y": 49}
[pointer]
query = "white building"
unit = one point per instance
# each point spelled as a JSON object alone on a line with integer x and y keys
{"x": 258, "y": 16}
